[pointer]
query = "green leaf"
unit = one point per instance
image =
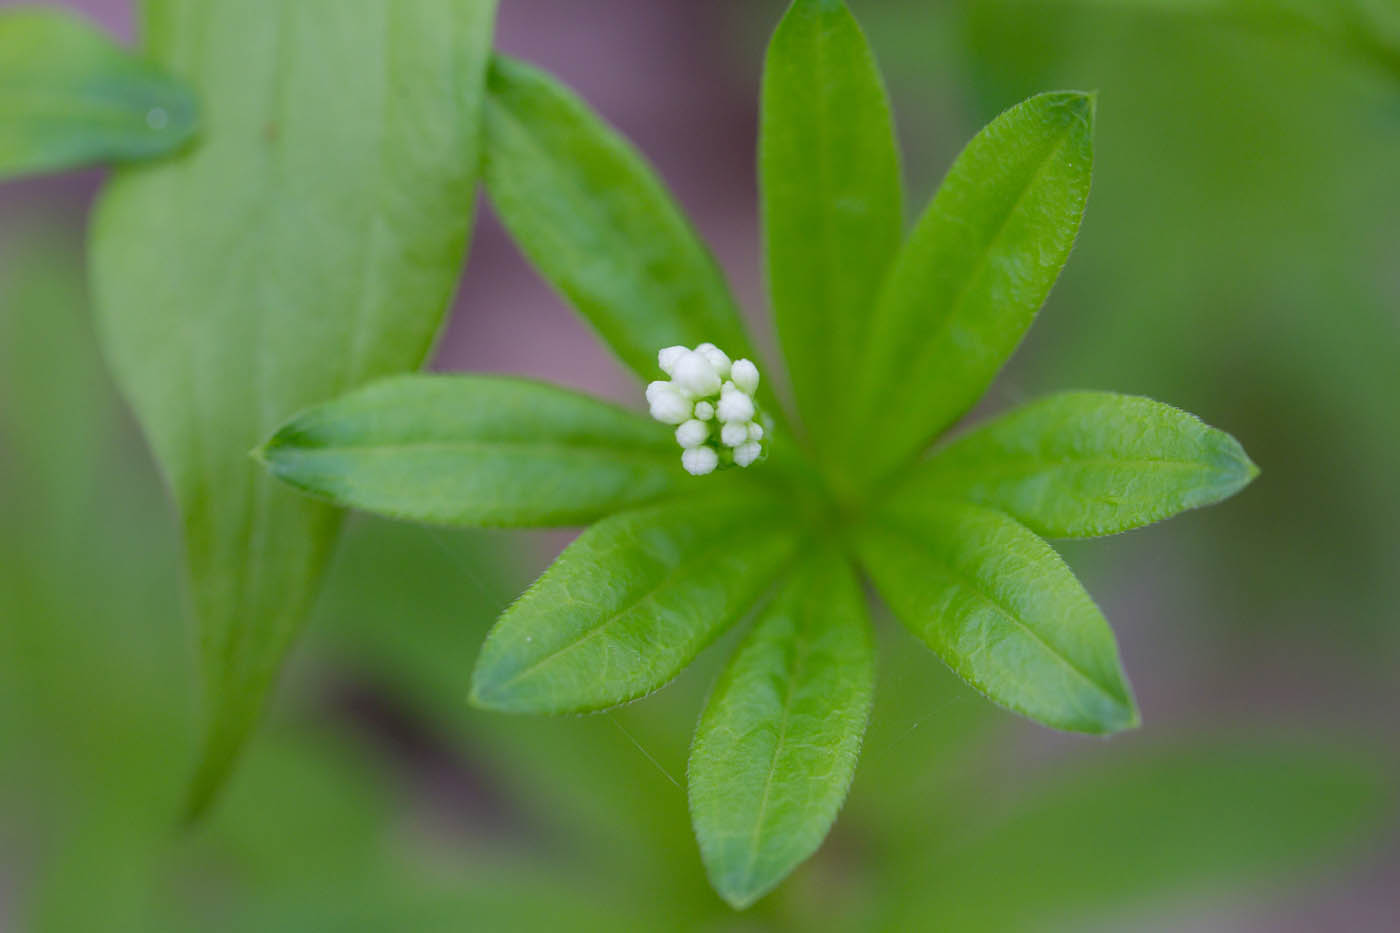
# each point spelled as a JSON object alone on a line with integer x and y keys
{"x": 832, "y": 204}
{"x": 1089, "y": 843}
{"x": 70, "y": 96}
{"x": 971, "y": 277}
{"x": 628, "y": 605}
{"x": 1001, "y": 609}
{"x": 777, "y": 744}
{"x": 599, "y": 226}
{"x": 1082, "y": 464}
{"x": 476, "y": 450}
{"x": 311, "y": 243}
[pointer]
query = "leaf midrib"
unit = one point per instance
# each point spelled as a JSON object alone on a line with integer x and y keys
{"x": 636, "y": 453}
{"x": 804, "y": 650}
{"x": 615, "y": 331}
{"x": 935, "y": 339}
{"x": 1014, "y": 465}
{"x": 668, "y": 580}
{"x": 978, "y": 590}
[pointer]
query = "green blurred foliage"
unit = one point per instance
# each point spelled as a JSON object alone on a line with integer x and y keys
{"x": 70, "y": 96}
{"x": 378, "y": 800}
{"x": 1237, "y": 258}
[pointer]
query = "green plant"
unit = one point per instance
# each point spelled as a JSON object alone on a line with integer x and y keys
{"x": 889, "y": 339}
{"x": 255, "y": 275}
{"x": 70, "y": 97}
{"x": 313, "y": 832}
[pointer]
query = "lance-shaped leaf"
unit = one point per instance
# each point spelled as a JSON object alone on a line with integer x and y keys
{"x": 777, "y": 744}
{"x": 596, "y": 222}
{"x": 971, "y": 277}
{"x": 1089, "y": 844}
{"x": 476, "y": 450}
{"x": 628, "y": 605}
{"x": 310, "y": 243}
{"x": 1081, "y": 464}
{"x": 832, "y": 204}
{"x": 1001, "y": 609}
{"x": 70, "y": 96}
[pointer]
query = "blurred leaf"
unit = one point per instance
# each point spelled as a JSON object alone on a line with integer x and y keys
{"x": 1081, "y": 464}
{"x": 89, "y": 675}
{"x": 312, "y": 837}
{"x": 593, "y": 218}
{"x": 475, "y": 450}
{"x": 1002, "y": 610}
{"x": 972, "y": 275}
{"x": 55, "y": 407}
{"x": 310, "y": 244}
{"x": 778, "y": 741}
{"x": 1206, "y": 818}
{"x": 832, "y": 205}
{"x": 520, "y": 898}
{"x": 452, "y": 584}
{"x": 70, "y": 96}
{"x": 1368, "y": 29}
{"x": 309, "y": 808}
{"x": 630, "y": 603}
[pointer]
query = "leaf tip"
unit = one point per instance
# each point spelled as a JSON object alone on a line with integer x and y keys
{"x": 741, "y": 890}
{"x": 1236, "y": 469}
{"x": 493, "y": 693}
{"x": 817, "y": 6}
{"x": 1083, "y": 105}
{"x": 482, "y": 695}
{"x": 1125, "y": 717}
{"x": 1115, "y": 711}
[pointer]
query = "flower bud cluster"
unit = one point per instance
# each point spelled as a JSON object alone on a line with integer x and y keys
{"x": 710, "y": 400}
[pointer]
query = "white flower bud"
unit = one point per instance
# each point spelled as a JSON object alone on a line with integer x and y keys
{"x": 717, "y": 359}
{"x": 692, "y": 433}
{"x": 667, "y": 404}
{"x": 694, "y": 374}
{"x": 745, "y": 375}
{"x": 699, "y": 460}
{"x": 734, "y": 434}
{"x": 734, "y": 405}
{"x": 667, "y": 358}
{"x": 709, "y": 399}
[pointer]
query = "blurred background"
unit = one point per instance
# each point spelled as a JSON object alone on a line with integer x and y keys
{"x": 1240, "y": 259}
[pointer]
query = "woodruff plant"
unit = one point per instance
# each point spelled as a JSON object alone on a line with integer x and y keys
{"x": 889, "y": 340}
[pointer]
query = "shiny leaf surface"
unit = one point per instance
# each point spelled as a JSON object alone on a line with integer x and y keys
{"x": 832, "y": 207}
{"x": 970, "y": 278}
{"x": 778, "y": 741}
{"x": 628, "y": 605}
{"x": 476, "y": 450}
{"x": 1081, "y": 464}
{"x": 1002, "y": 610}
